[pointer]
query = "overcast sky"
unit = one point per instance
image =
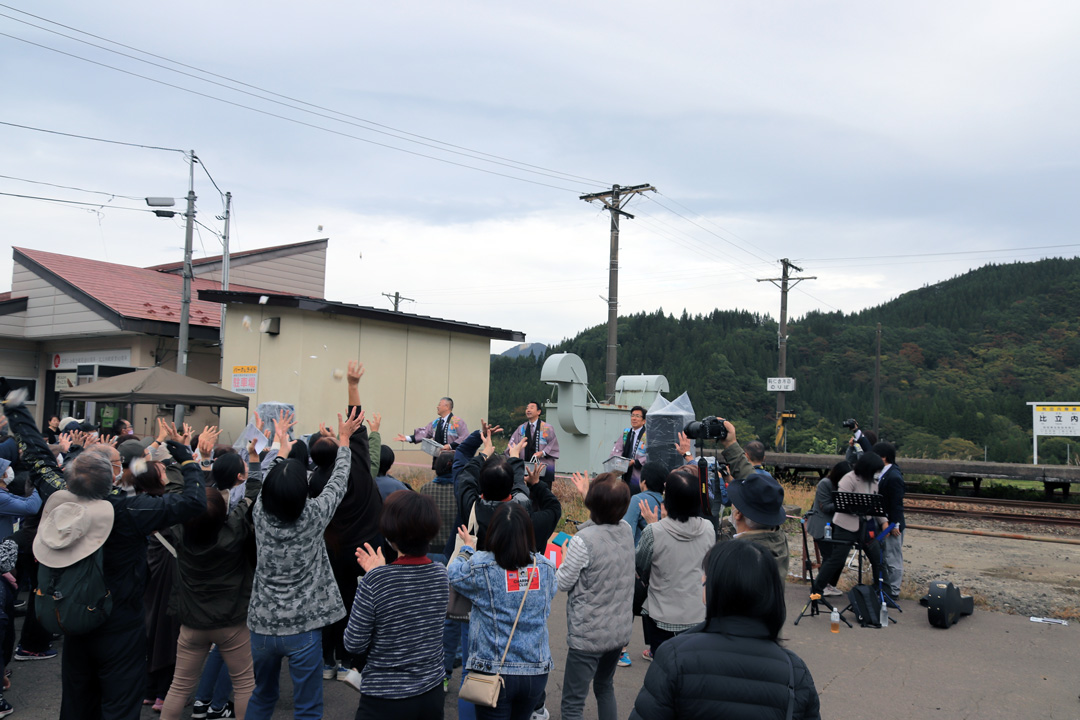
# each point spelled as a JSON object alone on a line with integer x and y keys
{"x": 942, "y": 136}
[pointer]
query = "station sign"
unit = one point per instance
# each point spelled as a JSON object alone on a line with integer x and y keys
{"x": 780, "y": 384}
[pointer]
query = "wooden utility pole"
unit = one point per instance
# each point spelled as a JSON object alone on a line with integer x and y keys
{"x": 785, "y": 283}
{"x": 877, "y": 383}
{"x": 396, "y": 298}
{"x": 614, "y": 200}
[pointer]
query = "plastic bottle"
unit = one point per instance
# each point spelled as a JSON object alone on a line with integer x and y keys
{"x": 834, "y": 620}
{"x": 828, "y": 531}
{"x": 884, "y": 614}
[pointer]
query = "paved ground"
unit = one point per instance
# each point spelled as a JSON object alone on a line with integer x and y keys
{"x": 990, "y": 665}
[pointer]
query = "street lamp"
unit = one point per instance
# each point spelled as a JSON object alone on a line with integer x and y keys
{"x": 185, "y": 302}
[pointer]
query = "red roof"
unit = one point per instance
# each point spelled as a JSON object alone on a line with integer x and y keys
{"x": 133, "y": 292}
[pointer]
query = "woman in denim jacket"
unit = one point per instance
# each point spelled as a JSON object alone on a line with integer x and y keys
{"x": 495, "y": 581}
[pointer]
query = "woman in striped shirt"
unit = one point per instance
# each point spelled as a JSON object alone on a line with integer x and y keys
{"x": 396, "y": 623}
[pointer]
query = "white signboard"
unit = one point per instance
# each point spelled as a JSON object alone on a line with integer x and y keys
{"x": 72, "y": 360}
{"x": 1057, "y": 419}
{"x": 784, "y": 384}
{"x": 65, "y": 381}
{"x": 245, "y": 379}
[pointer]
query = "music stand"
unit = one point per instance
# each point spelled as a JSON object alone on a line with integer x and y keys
{"x": 813, "y": 602}
{"x": 864, "y": 505}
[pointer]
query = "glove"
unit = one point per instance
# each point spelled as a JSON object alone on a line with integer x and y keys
{"x": 181, "y": 453}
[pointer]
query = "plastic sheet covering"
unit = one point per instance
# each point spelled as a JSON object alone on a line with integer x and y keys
{"x": 268, "y": 411}
{"x": 663, "y": 423}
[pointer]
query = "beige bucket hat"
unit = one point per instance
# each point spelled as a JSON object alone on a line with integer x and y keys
{"x": 71, "y": 529}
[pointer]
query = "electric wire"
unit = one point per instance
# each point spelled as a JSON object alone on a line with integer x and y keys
{"x": 955, "y": 252}
{"x": 522, "y": 164}
{"x": 87, "y": 137}
{"x": 99, "y": 206}
{"x": 717, "y": 236}
{"x": 70, "y": 187}
{"x": 289, "y": 119}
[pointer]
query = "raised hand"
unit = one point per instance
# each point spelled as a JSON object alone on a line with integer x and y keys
{"x": 534, "y": 472}
{"x": 581, "y": 482}
{"x": 283, "y": 423}
{"x": 369, "y": 559}
{"x": 514, "y": 449}
{"x": 355, "y": 372}
{"x": 466, "y": 538}
{"x": 375, "y": 422}
{"x": 649, "y": 514}
{"x": 347, "y": 426}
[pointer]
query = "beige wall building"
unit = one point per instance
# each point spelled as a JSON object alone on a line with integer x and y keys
{"x": 68, "y": 321}
{"x": 290, "y": 348}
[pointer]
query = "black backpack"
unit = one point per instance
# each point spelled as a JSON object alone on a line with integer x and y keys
{"x": 866, "y": 604}
{"x": 73, "y": 600}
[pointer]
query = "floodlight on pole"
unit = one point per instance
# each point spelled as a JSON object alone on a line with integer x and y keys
{"x": 161, "y": 201}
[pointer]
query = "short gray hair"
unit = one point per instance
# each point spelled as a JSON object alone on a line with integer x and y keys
{"x": 752, "y": 524}
{"x": 451, "y": 401}
{"x": 90, "y": 474}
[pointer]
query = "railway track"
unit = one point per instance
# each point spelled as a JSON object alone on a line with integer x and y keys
{"x": 994, "y": 509}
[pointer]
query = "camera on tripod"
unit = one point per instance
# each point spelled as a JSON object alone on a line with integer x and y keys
{"x": 710, "y": 428}
{"x": 850, "y": 424}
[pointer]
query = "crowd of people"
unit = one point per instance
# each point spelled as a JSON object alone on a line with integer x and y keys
{"x": 221, "y": 561}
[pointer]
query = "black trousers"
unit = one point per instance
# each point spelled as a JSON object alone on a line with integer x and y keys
{"x": 104, "y": 674}
{"x": 425, "y": 706}
{"x": 842, "y": 542}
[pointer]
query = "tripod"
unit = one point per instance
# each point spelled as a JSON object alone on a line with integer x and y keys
{"x": 811, "y": 608}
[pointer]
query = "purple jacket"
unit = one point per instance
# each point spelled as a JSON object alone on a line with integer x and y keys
{"x": 547, "y": 443}
{"x": 457, "y": 430}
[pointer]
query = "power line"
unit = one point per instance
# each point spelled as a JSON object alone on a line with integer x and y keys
{"x": 287, "y": 118}
{"x": 523, "y": 165}
{"x": 86, "y": 137}
{"x": 956, "y": 252}
{"x": 719, "y": 237}
{"x": 99, "y": 206}
{"x": 70, "y": 187}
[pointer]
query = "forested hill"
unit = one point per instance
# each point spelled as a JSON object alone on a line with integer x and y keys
{"x": 960, "y": 360}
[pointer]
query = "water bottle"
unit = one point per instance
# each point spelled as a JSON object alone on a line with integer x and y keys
{"x": 884, "y": 614}
{"x": 828, "y": 531}
{"x": 834, "y": 620}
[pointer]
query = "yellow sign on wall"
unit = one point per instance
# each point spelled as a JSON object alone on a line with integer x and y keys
{"x": 245, "y": 379}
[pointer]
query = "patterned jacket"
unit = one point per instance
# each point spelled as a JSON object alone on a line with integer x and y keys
{"x": 294, "y": 590}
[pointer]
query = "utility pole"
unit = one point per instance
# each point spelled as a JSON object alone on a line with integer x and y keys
{"x": 614, "y": 200}
{"x": 185, "y": 302}
{"x": 785, "y": 283}
{"x": 224, "y": 278}
{"x": 396, "y": 298}
{"x": 877, "y": 383}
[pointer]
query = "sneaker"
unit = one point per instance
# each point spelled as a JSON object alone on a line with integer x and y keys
{"x": 199, "y": 709}
{"x": 647, "y": 654}
{"x": 624, "y": 660}
{"x": 226, "y": 712}
{"x": 329, "y": 672}
{"x": 830, "y": 590}
{"x": 158, "y": 704}
{"x": 541, "y": 714}
{"x": 5, "y": 708}
{"x": 342, "y": 672}
{"x": 352, "y": 679}
{"x": 47, "y": 654}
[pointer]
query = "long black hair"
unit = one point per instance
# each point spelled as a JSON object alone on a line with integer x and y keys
{"x": 741, "y": 580}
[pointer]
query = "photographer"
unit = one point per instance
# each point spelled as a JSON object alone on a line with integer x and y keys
{"x": 757, "y": 500}
{"x": 859, "y": 442}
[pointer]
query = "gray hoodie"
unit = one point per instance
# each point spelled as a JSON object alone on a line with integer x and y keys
{"x": 674, "y": 569}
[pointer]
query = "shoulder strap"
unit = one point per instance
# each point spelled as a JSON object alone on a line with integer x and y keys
{"x": 520, "y": 608}
{"x": 165, "y": 543}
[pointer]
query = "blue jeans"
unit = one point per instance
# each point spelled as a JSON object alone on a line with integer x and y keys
{"x": 455, "y": 636}
{"x": 215, "y": 685}
{"x": 304, "y": 652}
{"x": 517, "y": 700}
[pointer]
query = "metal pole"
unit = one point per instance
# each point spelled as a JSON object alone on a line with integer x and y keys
{"x": 782, "y": 343}
{"x": 224, "y": 281}
{"x": 877, "y": 383}
{"x": 185, "y": 302}
{"x": 613, "y": 299}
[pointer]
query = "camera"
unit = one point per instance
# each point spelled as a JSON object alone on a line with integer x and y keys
{"x": 850, "y": 424}
{"x": 711, "y": 428}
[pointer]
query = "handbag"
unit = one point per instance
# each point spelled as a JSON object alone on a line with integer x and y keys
{"x": 458, "y": 606}
{"x": 483, "y": 688}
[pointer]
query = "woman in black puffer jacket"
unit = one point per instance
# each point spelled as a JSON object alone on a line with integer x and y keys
{"x": 732, "y": 665}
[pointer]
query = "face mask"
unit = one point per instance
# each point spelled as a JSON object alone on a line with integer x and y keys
{"x": 117, "y": 476}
